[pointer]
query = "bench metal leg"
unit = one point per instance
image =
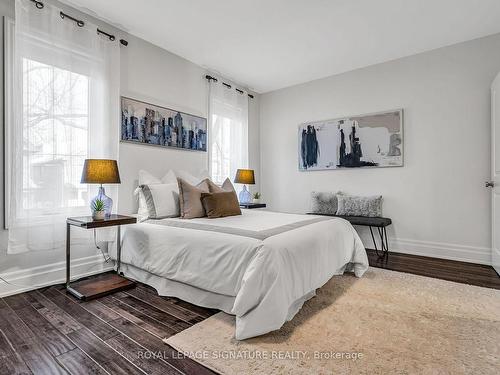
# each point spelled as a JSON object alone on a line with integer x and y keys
{"x": 382, "y": 232}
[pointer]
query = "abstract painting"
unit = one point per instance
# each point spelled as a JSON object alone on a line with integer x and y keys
{"x": 154, "y": 125}
{"x": 373, "y": 140}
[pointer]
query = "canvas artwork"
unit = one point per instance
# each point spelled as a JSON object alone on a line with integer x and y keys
{"x": 153, "y": 125}
{"x": 373, "y": 140}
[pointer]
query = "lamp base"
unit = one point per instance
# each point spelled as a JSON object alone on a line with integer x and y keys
{"x": 245, "y": 196}
{"x": 108, "y": 202}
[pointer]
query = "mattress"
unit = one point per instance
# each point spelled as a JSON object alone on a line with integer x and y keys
{"x": 260, "y": 266}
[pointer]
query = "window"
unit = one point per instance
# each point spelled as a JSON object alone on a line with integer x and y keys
{"x": 62, "y": 100}
{"x": 55, "y": 137}
{"x": 221, "y": 150}
{"x": 228, "y": 132}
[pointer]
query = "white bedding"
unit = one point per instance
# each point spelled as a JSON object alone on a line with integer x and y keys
{"x": 268, "y": 279}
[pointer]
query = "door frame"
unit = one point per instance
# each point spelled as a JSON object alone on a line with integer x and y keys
{"x": 495, "y": 253}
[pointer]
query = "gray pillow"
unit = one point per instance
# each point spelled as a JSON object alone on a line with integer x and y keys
{"x": 359, "y": 206}
{"x": 190, "y": 199}
{"x": 324, "y": 202}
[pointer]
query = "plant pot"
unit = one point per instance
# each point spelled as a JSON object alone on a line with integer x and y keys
{"x": 98, "y": 215}
{"x": 255, "y": 200}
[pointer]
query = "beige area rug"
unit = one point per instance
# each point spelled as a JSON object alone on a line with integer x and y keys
{"x": 398, "y": 323}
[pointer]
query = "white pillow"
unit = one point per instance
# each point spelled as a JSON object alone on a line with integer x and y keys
{"x": 146, "y": 178}
{"x": 169, "y": 178}
{"x": 161, "y": 200}
{"x": 143, "y": 211}
{"x": 204, "y": 174}
{"x": 188, "y": 177}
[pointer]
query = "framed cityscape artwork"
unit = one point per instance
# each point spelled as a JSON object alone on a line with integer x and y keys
{"x": 365, "y": 141}
{"x": 158, "y": 126}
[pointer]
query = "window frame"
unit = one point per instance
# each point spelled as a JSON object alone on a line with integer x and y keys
{"x": 8, "y": 44}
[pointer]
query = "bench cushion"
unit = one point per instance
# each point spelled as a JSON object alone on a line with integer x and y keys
{"x": 352, "y": 205}
{"x": 324, "y": 202}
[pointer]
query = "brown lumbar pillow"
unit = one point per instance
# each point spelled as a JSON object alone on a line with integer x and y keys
{"x": 190, "y": 199}
{"x": 221, "y": 204}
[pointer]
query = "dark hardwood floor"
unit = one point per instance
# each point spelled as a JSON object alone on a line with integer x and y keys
{"x": 460, "y": 272}
{"x": 47, "y": 331}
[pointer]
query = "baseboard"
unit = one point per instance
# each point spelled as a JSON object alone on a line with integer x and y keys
{"x": 496, "y": 265}
{"x": 462, "y": 253}
{"x": 55, "y": 273}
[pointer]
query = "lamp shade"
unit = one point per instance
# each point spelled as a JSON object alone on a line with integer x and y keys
{"x": 245, "y": 176}
{"x": 100, "y": 171}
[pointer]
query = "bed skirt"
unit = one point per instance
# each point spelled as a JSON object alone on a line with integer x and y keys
{"x": 191, "y": 294}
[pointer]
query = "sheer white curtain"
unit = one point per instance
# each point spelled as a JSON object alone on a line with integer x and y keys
{"x": 65, "y": 103}
{"x": 228, "y": 135}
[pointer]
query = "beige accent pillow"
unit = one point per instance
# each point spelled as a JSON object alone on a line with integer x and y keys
{"x": 213, "y": 187}
{"x": 226, "y": 186}
{"x": 221, "y": 204}
{"x": 190, "y": 199}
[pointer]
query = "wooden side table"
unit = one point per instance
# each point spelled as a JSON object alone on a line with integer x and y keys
{"x": 107, "y": 283}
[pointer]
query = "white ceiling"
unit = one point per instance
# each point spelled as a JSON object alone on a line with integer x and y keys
{"x": 270, "y": 44}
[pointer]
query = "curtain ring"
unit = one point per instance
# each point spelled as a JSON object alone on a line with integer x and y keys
{"x": 38, "y": 4}
{"x": 110, "y": 36}
{"x": 80, "y": 23}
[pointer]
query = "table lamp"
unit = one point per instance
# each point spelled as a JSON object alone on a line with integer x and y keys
{"x": 101, "y": 171}
{"x": 245, "y": 176}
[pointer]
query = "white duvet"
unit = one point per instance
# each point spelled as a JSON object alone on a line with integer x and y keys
{"x": 268, "y": 279}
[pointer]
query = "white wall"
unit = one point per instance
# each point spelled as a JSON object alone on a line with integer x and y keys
{"x": 151, "y": 74}
{"x": 157, "y": 76}
{"x": 437, "y": 200}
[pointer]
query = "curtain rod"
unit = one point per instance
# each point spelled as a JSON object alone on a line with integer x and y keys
{"x": 210, "y": 78}
{"x": 80, "y": 23}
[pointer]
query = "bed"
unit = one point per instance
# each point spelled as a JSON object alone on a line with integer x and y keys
{"x": 260, "y": 266}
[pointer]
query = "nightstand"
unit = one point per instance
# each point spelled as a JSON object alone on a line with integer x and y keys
{"x": 107, "y": 283}
{"x": 252, "y": 205}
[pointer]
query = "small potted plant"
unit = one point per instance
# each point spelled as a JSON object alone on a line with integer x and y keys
{"x": 256, "y": 197}
{"x": 98, "y": 212}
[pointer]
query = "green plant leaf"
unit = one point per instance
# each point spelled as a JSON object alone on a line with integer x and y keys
{"x": 98, "y": 205}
